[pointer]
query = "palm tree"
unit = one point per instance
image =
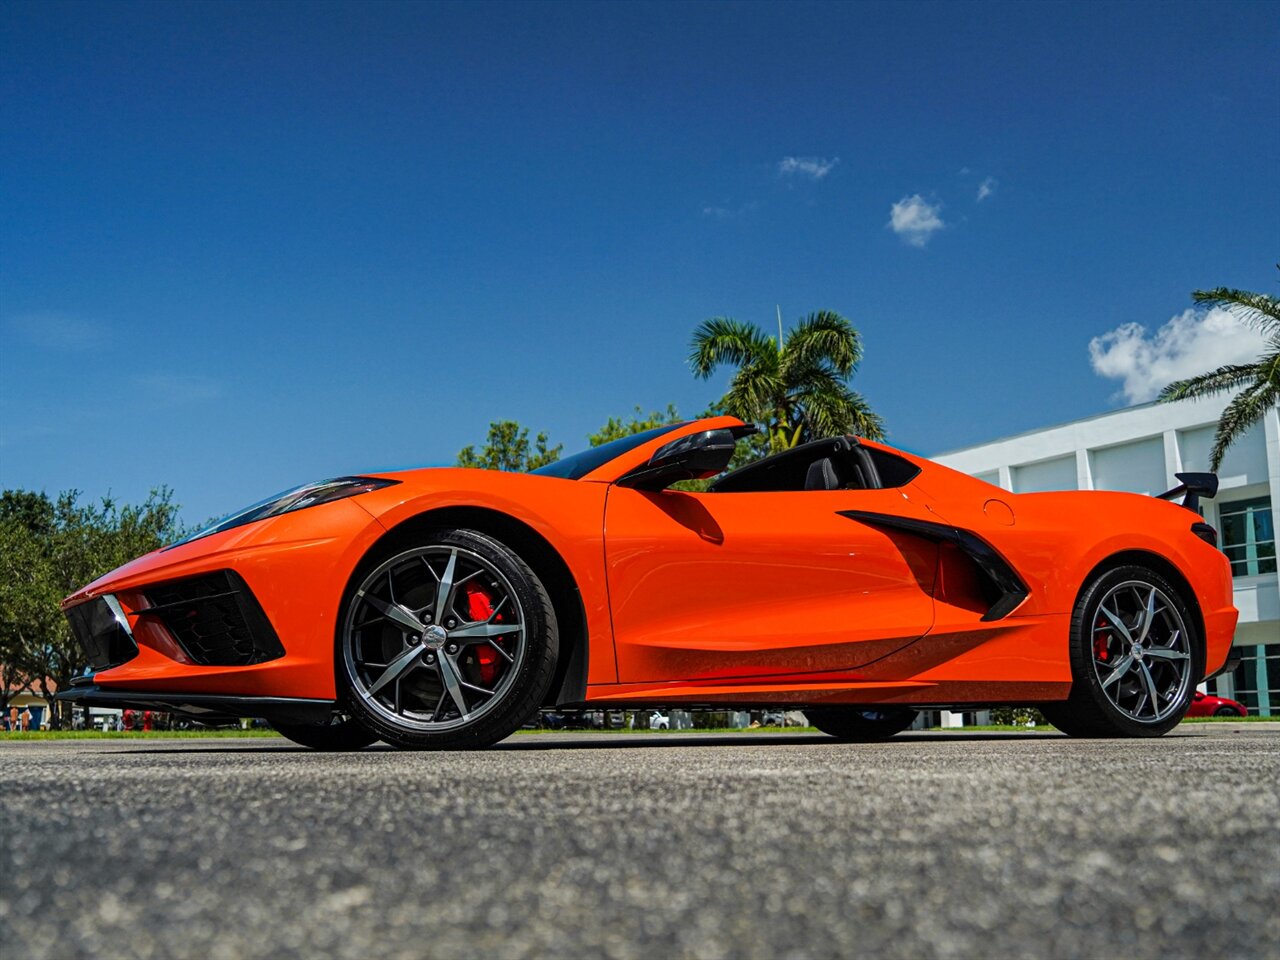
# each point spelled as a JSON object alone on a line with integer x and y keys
{"x": 1260, "y": 380}
{"x": 797, "y": 385}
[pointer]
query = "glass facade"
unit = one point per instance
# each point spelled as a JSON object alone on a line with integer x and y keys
{"x": 1256, "y": 681}
{"x": 1248, "y": 536}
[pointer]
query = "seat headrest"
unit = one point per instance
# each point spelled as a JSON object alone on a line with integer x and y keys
{"x": 822, "y": 475}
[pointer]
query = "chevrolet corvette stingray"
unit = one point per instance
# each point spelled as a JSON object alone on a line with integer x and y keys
{"x": 443, "y": 608}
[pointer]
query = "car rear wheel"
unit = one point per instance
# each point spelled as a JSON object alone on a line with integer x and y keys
{"x": 342, "y": 733}
{"x": 855, "y": 725}
{"x": 1135, "y": 657}
{"x": 448, "y": 645}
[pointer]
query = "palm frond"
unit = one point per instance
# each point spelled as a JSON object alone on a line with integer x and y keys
{"x": 755, "y": 393}
{"x": 824, "y": 336}
{"x": 1226, "y": 377}
{"x": 725, "y": 340}
{"x": 1258, "y": 310}
{"x": 1241, "y": 414}
{"x": 830, "y": 408}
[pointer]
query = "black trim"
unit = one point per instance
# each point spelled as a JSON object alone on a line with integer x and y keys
{"x": 857, "y": 467}
{"x": 691, "y": 457}
{"x": 1195, "y": 486}
{"x": 1008, "y": 588}
{"x": 105, "y": 638}
{"x": 202, "y": 706}
{"x": 215, "y": 618}
{"x": 1206, "y": 533}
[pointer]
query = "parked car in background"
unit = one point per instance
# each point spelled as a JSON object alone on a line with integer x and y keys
{"x": 1207, "y": 705}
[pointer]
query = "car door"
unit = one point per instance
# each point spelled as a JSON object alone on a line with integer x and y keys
{"x": 719, "y": 585}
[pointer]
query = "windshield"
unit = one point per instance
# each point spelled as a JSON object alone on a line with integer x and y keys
{"x": 580, "y": 464}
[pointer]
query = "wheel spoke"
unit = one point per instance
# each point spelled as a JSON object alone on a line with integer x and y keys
{"x": 483, "y": 690}
{"x": 509, "y": 657}
{"x": 1117, "y": 623}
{"x": 444, "y": 589}
{"x": 1165, "y": 653}
{"x": 1148, "y": 615}
{"x": 1121, "y": 668}
{"x": 1150, "y": 684}
{"x": 483, "y": 631}
{"x": 397, "y": 666}
{"x": 453, "y": 683}
{"x": 444, "y": 695}
{"x": 395, "y": 613}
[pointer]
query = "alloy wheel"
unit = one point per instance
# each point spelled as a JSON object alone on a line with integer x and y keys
{"x": 434, "y": 638}
{"x": 1141, "y": 652}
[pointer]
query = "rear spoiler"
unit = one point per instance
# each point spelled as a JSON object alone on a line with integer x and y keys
{"x": 1195, "y": 486}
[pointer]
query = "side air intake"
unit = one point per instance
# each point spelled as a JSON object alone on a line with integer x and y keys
{"x": 1005, "y": 588}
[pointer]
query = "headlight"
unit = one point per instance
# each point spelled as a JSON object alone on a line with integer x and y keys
{"x": 299, "y": 498}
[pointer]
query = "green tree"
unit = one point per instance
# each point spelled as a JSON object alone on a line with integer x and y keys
{"x": 508, "y": 448}
{"x": 1258, "y": 383}
{"x": 796, "y": 386}
{"x": 48, "y": 549}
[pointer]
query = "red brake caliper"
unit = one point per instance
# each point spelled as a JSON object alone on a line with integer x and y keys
{"x": 1100, "y": 650}
{"x": 480, "y": 607}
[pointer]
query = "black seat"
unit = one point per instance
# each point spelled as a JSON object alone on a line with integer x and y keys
{"x": 822, "y": 475}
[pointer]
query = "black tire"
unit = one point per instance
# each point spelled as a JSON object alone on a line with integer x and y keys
{"x": 531, "y": 671}
{"x": 343, "y": 734}
{"x": 1094, "y": 707}
{"x": 856, "y": 725}
{"x": 1226, "y": 712}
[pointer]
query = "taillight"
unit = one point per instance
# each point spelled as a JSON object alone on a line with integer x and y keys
{"x": 1205, "y": 533}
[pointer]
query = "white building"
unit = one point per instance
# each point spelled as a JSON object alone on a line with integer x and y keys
{"x": 1139, "y": 449}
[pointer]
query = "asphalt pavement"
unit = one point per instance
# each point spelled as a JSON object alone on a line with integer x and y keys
{"x": 944, "y": 845}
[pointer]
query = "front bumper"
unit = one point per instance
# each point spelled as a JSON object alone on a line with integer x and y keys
{"x": 207, "y": 708}
{"x": 249, "y": 613}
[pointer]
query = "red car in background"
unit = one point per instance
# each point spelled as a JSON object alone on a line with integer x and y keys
{"x": 1207, "y": 705}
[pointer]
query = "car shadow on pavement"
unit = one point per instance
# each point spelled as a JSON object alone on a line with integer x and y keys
{"x": 589, "y": 741}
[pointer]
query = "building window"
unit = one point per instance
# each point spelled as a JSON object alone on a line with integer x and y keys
{"x": 1257, "y": 679}
{"x": 1248, "y": 536}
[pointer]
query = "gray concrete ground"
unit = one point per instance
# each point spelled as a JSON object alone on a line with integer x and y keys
{"x": 638, "y": 846}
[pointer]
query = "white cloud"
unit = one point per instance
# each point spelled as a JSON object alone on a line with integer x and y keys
{"x": 987, "y": 188}
{"x": 814, "y": 168}
{"x": 1192, "y": 342}
{"x": 915, "y": 220}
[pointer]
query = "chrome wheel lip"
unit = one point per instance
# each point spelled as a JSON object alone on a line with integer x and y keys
{"x": 1157, "y": 617}
{"x": 400, "y": 720}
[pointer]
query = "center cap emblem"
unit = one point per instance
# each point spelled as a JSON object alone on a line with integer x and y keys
{"x": 1137, "y": 650}
{"x": 434, "y": 636}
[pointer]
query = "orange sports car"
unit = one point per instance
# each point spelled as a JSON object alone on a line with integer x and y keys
{"x": 443, "y": 608}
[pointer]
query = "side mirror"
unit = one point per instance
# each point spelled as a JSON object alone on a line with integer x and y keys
{"x": 694, "y": 457}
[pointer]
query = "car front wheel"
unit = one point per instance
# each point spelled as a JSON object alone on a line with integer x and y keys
{"x": 451, "y": 644}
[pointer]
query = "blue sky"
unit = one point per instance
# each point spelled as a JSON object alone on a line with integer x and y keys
{"x": 246, "y": 246}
